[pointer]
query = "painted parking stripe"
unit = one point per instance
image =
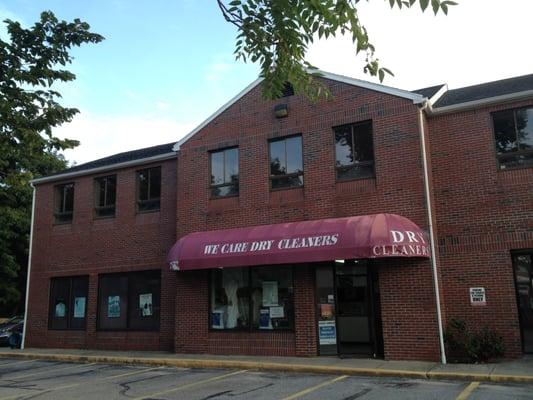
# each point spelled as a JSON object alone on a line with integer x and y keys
{"x": 467, "y": 391}
{"x": 316, "y": 387}
{"x": 44, "y": 372}
{"x": 55, "y": 389}
{"x": 189, "y": 385}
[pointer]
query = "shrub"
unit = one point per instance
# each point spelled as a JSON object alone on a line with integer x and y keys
{"x": 466, "y": 345}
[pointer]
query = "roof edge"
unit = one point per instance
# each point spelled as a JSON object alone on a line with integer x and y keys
{"x": 482, "y": 102}
{"x": 443, "y": 89}
{"x": 416, "y": 98}
{"x": 140, "y": 161}
{"x": 223, "y": 108}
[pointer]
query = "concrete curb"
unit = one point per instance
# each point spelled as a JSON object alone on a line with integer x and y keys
{"x": 270, "y": 366}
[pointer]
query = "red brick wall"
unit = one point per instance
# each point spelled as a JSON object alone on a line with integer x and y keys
{"x": 88, "y": 246}
{"x": 483, "y": 213}
{"x": 397, "y": 188}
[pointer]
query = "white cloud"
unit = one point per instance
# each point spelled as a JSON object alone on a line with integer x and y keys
{"x": 101, "y": 136}
{"x": 477, "y": 42}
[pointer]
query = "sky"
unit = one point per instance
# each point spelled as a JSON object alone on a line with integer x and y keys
{"x": 165, "y": 66}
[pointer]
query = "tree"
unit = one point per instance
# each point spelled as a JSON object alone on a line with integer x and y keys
{"x": 277, "y": 33}
{"x": 31, "y": 61}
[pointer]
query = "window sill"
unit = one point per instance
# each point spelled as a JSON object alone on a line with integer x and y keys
{"x": 254, "y": 330}
{"x": 148, "y": 211}
{"x": 57, "y": 223}
{"x": 223, "y": 197}
{"x": 128, "y": 330}
{"x": 96, "y": 217}
{"x": 287, "y": 188}
{"x": 500, "y": 169}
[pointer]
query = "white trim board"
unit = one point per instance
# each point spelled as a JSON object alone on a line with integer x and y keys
{"x": 103, "y": 168}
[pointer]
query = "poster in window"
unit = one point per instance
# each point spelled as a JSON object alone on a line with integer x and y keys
{"x": 327, "y": 332}
{"x": 270, "y": 293}
{"x": 60, "y": 309}
{"x": 113, "y": 307}
{"x": 145, "y": 304}
{"x": 264, "y": 319}
{"x": 79, "y": 307}
{"x": 277, "y": 312}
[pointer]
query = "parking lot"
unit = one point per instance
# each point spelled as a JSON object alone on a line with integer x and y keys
{"x": 40, "y": 379}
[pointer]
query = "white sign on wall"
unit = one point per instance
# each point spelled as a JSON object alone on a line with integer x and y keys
{"x": 477, "y": 296}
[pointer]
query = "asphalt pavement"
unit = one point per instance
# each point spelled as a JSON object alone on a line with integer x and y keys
{"x": 41, "y": 379}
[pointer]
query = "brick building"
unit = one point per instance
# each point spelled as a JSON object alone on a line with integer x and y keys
{"x": 290, "y": 228}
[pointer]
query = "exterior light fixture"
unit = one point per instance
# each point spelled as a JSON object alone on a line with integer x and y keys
{"x": 281, "y": 111}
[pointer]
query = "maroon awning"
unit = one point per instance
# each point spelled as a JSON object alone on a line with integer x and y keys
{"x": 367, "y": 236}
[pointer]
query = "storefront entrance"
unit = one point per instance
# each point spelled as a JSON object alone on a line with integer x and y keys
{"x": 523, "y": 270}
{"x": 349, "y": 320}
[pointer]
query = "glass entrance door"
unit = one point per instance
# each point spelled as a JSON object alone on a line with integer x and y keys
{"x": 353, "y": 308}
{"x": 523, "y": 270}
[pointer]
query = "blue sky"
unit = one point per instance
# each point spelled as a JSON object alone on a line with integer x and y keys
{"x": 165, "y": 66}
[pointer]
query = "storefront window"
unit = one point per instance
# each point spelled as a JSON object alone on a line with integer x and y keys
{"x": 68, "y": 302}
{"x": 129, "y": 301}
{"x": 252, "y": 298}
{"x": 230, "y": 303}
{"x": 272, "y": 298}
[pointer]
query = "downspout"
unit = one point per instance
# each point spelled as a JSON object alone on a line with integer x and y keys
{"x": 28, "y": 273}
{"x": 429, "y": 209}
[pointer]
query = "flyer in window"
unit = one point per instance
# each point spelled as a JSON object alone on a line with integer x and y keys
{"x": 270, "y": 293}
{"x": 277, "y": 312}
{"x": 79, "y": 307}
{"x": 145, "y": 304}
{"x": 60, "y": 309}
{"x": 113, "y": 307}
{"x": 264, "y": 319}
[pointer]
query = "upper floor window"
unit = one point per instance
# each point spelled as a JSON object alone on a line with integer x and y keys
{"x": 105, "y": 193}
{"x": 225, "y": 173}
{"x": 513, "y": 130}
{"x": 286, "y": 163}
{"x": 64, "y": 203}
{"x": 149, "y": 189}
{"x": 354, "y": 151}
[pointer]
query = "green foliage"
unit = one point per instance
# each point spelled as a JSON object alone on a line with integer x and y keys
{"x": 277, "y": 33}
{"x": 30, "y": 62}
{"x": 465, "y": 345}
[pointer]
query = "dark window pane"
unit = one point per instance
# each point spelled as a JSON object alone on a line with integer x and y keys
{"x": 111, "y": 190}
{"x": 112, "y": 302}
{"x": 287, "y": 181}
{"x": 230, "y": 301}
{"x": 513, "y": 160}
{"x": 343, "y": 145}
{"x": 100, "y": 192}
{"x": 272, "y": 298}
{"x": 143, "y": 185}
{"x": 59, "y": 303}
{"x": 68, "y": 301}
{"x": 155, "y": 183}
{"x": 278, "y": 163}
{"x": 144, "y": 300}
{"x": 363, "y": 147}
{"x": 524, "y": 126}
{"x": 294, "y": 154}
{"x": 69, "y": 198}
{"x": 217, "y": 168}
{"x": 223, "y": 191}
{"x": 78, "y": 302}
{"x": 231, "y": 166}
{"x": 64, "y": 203}
{"x": 505, "y": 133}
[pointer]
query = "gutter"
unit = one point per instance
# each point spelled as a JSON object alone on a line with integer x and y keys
{"x": 160, "y": 157}
{"x": 429, "y": 209}
{"x": 28, "y": 273}
{"x": 479, "y": 103}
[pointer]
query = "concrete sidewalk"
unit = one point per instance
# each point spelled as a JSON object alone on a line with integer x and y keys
{"x": 506, "y": 371}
